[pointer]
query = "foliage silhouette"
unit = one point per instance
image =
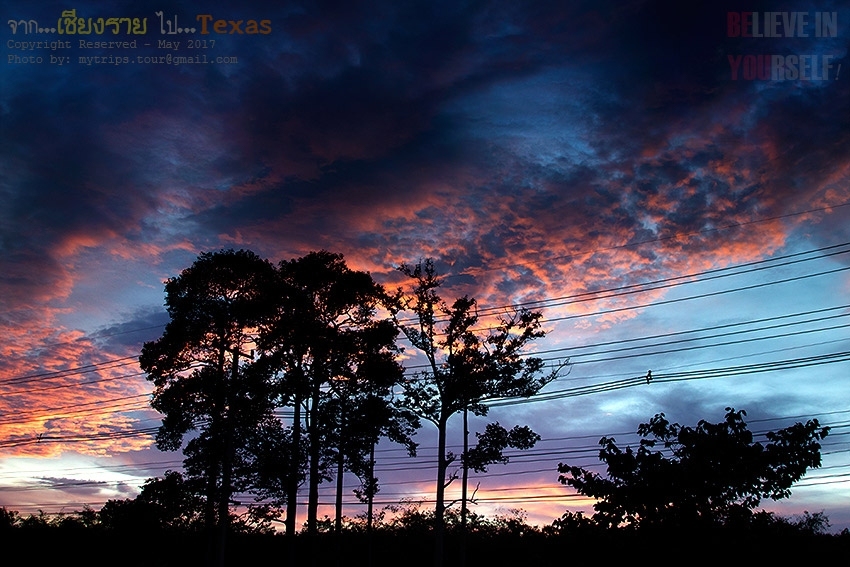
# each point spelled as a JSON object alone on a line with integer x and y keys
{"x": 8, "y": 518}
{"x": 39, "y": 520}
{"x": 332, "y": 361}
{"x": 362, "y": 411}
{"x": 493, "y": 442}
{"x": 198, "y": 368}
{"x": 324, "y": 354}
{"x": 503, "y": 540}
{"x": 170, "y": 502}
{"x": 464, "y": 367}
{"x": 711, "y": 474}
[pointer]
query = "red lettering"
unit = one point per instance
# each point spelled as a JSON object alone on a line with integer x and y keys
{"x": 733, "y": 24}
{"x": 734, "y": 63}
{"x": 749, "y": 67}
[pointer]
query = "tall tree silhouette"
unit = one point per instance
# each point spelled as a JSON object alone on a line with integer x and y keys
{"x": 465, "y": 367}
{"x": 379, "y": 416}
{"x": 198, "y": 370}
{"x": 711, "y": 474}
{"x": 323, "y": 342}
{"x": 361, "y": 405}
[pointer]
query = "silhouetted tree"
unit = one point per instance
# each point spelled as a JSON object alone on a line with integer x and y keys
{"x": 464, "y": 367}
{"x": 571, "y": 523}
{"x": 489, "y": 450}
{"x": 711, "y": 474}
{"x": 493, "y": 442}
{"x": 170, "y": 502}
{"x": 197, "y": 368}
{"x": 85, "y": 518}
{"x": 177, "y": 499}
{"x": 8, "y": 518}
{"x": 279, "y": 465}
{"x": 362, "y": 407}
{"x": 324, "y": 345}
{"x": 39, "y": 520}
{"x": 378, "y": 417}
{"x": 129, "y": 515}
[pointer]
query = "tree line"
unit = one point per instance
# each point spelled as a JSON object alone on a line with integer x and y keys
{"x": 248, "y": 341}
{"x": 273, "y": 378}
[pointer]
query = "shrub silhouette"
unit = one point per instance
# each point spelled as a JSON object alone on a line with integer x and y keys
{"x": 711, "y": 474}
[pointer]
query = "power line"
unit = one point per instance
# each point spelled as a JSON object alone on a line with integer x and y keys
{"x": 80, "y": 438}
{"x": 678, "y": 299}
{"x": 564, "y": 300}
{"x": 573, "y": 354}
{"x": 109, "y": 468}
{"x": 571, "y": 350}
{"x": 678, "y": 377}
{"x": 94, "y": 367}
{"x": 665, "y": 283}
{"x": 73, "y": 385}
{"x": 46, "y": 413}
{"x": 698, "y": 296}
{"x": 710, "y": 328}
{"x": 698, "y": 347}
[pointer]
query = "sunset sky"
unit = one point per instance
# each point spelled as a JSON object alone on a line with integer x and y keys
{"x": 629, "y": 167}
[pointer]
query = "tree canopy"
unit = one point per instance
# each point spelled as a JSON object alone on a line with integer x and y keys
{"x": 333, "y": 363}
{"x": 199, "y": 367}
{"x": 465, "y": 367}
{"x": 272, "y": 376}
{"x": 710, "y": 474}
{"x": 247, "y": 339}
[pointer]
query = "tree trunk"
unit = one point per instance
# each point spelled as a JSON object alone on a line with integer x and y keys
{"x": 224, "y": 498}
{"x": 292, "y": 480}
{"x": 340, "y": 469}
{"x": 217, "y": 457}
{"x": 315, "y": 454}
{"x": 465, "y": 478}
{"x": 226, "y": 467}
{"x": 370, "y": 494}
{"x": 209, "y": 510}
{"x": 463, "y": 488}
{"x": 440, "y": 507}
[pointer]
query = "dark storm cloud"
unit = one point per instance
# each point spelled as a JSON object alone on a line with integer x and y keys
{"x": 431, "y": 114}
{"x": 348, "y": 105}
{"x": 381, "y": 93}
{"x": 677, "y": 83}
